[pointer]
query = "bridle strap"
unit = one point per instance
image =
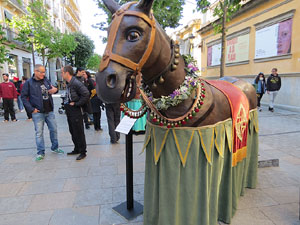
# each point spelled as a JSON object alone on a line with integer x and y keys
{"x": 109, "y": 55}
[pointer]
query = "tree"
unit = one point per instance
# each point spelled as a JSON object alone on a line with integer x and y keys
{"x": 3, "y": 51}
{"x": 62, "y": 45}
{"x": 35, "y": 28}
{"x": 224, "y": 11}
{"x": 83, "y": 51}
{"x": 94, "y": 62}
{"x": 166, "y": 12}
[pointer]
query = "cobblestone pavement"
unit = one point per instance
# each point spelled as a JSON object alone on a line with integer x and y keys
{"x": 61, "y": 191}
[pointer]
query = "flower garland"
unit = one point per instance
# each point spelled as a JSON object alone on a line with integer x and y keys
{"x": 191, "y": 83}
{"x": 180, "y": 94}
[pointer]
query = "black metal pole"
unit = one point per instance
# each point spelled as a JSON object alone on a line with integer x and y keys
{"x": 32, "y": 52}
{"x": 129, "y": 170}
{"x": 129, "y": 209}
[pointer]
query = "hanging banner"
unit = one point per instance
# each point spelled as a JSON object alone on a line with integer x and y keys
{"x": 274, "y": 40}
{"x": 237, "y": 49}
{"x": 214, "y": 55}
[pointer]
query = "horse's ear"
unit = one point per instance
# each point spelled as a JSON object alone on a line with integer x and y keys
{"x": 145, "y": 5}
{"x": 112, "y": 5}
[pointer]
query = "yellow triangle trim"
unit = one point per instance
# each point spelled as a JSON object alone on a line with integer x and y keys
{"x": 207, "y": 154}
{"x": 221, "y": 151}
{"x": 157, "y": 154}
{"x": 183, "y": 159}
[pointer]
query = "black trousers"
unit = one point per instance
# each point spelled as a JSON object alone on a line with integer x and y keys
{"x": 8, "y": 105}
{"x": 113, "y": 115}
{"x": 96, "y": 119}
{"x": 259, "y": 96}
{"x": 75, "y": 122}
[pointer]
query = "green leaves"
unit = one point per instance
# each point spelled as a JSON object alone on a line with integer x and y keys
{"x": 83, "y": 51}
{"x": 36, "y": 28}
{"x": 94, "y": 62}
{"x": 3, "y": 51}
{"x": 166, "y": 12}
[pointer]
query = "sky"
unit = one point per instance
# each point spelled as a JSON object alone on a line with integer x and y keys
{"x": 91, "y": 14}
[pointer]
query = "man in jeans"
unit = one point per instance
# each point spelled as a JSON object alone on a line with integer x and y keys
{"x": 36, "y": 96}
{"x": 273, "y": 86}
{"x": 77, "y": 95}
{"x": 8, "y": 93}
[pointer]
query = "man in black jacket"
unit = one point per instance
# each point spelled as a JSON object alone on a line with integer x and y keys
{"x": 273, "y": 86}
{"x": 77, "y": 96}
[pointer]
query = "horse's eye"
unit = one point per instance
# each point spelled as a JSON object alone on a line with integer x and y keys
{"x": 133, "y": 36}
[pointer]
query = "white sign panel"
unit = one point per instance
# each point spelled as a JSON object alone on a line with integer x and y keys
{"x": 266, "y": 42}
{"x": 125, "y": 125}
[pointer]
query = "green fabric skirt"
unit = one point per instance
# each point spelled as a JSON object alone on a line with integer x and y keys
{"x": 189, "y": 177}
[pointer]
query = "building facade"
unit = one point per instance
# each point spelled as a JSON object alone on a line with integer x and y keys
{"x": 263, "y": 35}
{"x": 64, "y": 14}
{"x": 189, "y": 40}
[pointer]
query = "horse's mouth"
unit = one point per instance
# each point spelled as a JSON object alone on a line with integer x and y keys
{"x": 129, "y": 90}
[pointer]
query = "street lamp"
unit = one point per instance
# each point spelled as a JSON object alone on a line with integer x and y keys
{"x": 31, "y": 36}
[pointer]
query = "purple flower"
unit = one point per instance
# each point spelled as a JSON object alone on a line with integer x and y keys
{"x": 151, "y": 99}
{"x": 193, "y": 83}
{"x": 175, "y": 93}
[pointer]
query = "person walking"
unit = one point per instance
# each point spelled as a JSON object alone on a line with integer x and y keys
{"x": 113, "y": 115}
{"x": 8, "y": 94}
{"x": 17, "y": 84}
{"x": 80, "y": 75}
{"x": 37, "y": 98}
{"x": 77, "y": 96}
{"x": 260, "y": 86}
{"x": 273, "y": 87}
{"x": 97, "y": 104}
{"x": 29, "y": 114}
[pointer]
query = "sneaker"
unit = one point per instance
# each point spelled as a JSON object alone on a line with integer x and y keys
{"x": 15, "y": 120}
{"x": 58, "y": 151}
{"x": 39, "y": 157}
{"x": 5, "y": 121}
{"x": 271, "y": 109}
{"x": 260, "y": 109}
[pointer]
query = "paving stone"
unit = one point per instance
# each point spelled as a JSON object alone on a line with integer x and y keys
{"x": 119, "y": 193}
{"x": 113, "y": 181}
{"x": 10, "y": 189}
{"x": 52, "y": 201}
{"x": 35, "y": 175}
{"x": 255, "y": 198}
{"x": 42, "y": 187}
{"x": 14, "y": 204}
{"x": 82, "y": 183}
{"x": 284, "y": 195}
{"x": 108, "y": 216}
{"x": 103, "y": 171}
{"x": 28, "y": 218}
{"x": 18, "y": 159}
{"x": 71, "y": 172}
{"x": 286, "y": 214}
{"x": 252, "y": 216}
{"x": 93, "y": 197}
{"x": 76, "y": 216}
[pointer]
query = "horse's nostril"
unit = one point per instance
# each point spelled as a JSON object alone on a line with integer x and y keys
{"x": 111, "y": 80}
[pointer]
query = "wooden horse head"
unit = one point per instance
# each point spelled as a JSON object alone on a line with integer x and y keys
{"x": 136, "y": 44}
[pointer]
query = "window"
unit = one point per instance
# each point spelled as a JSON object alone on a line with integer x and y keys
{"x": 273, "y": 38}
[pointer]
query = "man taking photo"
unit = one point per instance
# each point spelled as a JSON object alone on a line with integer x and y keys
{"x": 77, "y": 95}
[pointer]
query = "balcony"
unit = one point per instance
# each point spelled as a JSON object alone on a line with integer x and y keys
{"x": 56, "y": 11}
{"x": 15, "y": 4}
{"x": 48, "y": 4}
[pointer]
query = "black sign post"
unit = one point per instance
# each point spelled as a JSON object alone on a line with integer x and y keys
{"x": 129, "y": 209}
